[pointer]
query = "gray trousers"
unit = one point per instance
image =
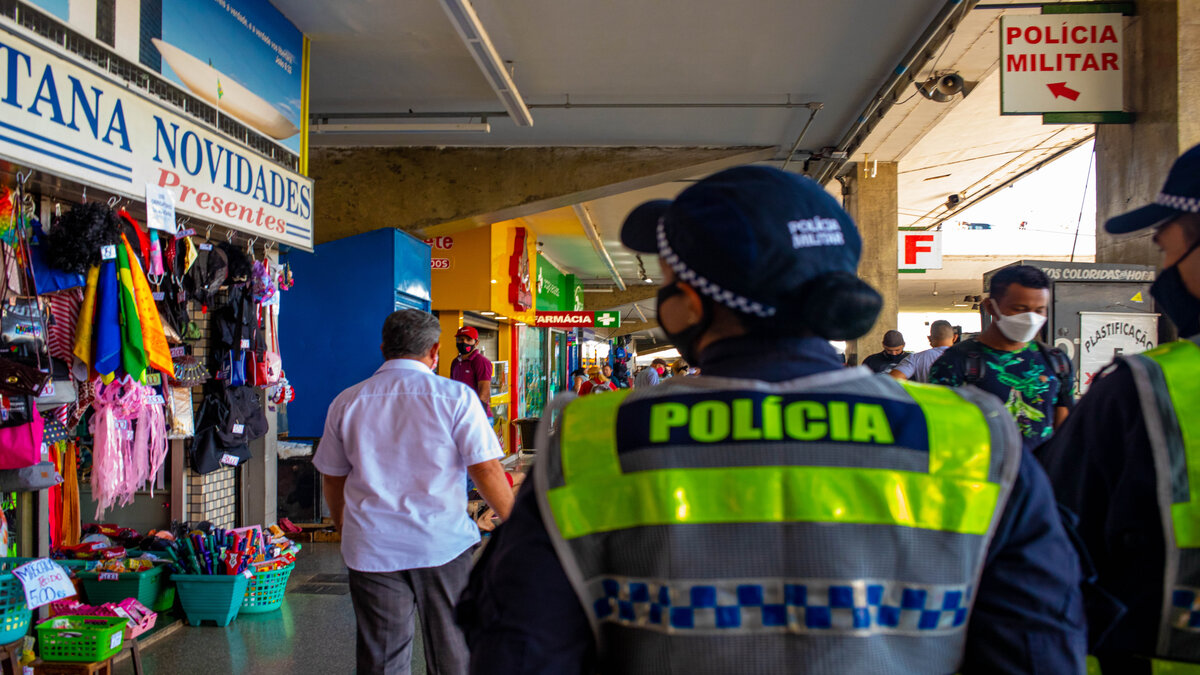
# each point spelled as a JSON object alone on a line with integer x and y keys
{"x": 383, "y": 608}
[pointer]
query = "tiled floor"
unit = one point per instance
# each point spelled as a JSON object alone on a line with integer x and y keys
{"x": 312, "y": 633}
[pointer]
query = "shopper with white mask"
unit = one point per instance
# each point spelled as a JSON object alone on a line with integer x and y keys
{"x": 1033, "y": 380}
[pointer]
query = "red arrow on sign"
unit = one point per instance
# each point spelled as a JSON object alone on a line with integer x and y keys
{"x": 1061, "y": 89}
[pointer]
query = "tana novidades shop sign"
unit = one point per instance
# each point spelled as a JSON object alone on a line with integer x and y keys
{"x": 61, "y": 116}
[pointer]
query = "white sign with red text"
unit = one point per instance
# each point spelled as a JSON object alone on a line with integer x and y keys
{"x": 920, "y": 250}
{"x": 62, "y": 115}
{"x": 1061, "y": 63}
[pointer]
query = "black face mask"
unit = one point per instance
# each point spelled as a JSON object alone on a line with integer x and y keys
{"x": 685, "y": 339}
{"x": 1174, "y": 299}
{"x": 464, "y": 348}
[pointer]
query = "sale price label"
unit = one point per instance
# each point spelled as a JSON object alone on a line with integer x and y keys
{"x": 44, "y": 582}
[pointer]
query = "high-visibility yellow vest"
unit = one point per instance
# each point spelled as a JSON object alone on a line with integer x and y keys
{"x": 716, "y": 525}
{"x": 1168, "y": 387}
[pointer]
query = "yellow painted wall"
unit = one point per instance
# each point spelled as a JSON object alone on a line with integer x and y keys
{"x": 466, "y": 285}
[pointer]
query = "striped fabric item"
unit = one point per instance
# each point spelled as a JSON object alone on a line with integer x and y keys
{"x": 64, "y": 308}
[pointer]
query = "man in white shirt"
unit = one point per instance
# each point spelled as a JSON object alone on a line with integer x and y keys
{"x": 915, "y": 367}
{"x": 395, "y": 456}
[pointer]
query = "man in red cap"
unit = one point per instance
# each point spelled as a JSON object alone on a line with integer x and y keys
{"x": 471, "y": 367}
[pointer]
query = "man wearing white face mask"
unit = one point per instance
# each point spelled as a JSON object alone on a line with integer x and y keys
{"x": 1033, "y": 380}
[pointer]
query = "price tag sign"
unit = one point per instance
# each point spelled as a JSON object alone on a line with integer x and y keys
{"x": 204, "y": 247}
{"x": 160, "y": 208}
{"x": 115, "y": 640}
{"x": 44, "y": 582}
{"x": 245, "y": 343}
{"x": 229, "y": 460}
{"x": 239, "y": 428}
{"x": 109, "y": 576}
{"x": 158, "y": 296}
{"x": 108, "y": 252}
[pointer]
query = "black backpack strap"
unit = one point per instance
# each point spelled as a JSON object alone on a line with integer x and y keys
{"x": 1059, "y": 362}
{"x": 973, "y": 368}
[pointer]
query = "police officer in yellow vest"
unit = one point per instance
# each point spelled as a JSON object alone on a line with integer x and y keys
{"x": 1128, "y": 460}
{"x": 779, "y": 513}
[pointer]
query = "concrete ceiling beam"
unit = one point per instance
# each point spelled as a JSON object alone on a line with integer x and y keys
{"x": 593, "y": 301}
{"x": 440, "y": 191}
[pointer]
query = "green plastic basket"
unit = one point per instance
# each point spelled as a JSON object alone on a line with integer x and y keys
{"x": 80, "y": 638}
{"x": 205, "y": 597}
{"x": 264, "y": 593}
{"x": 151, "y": 588}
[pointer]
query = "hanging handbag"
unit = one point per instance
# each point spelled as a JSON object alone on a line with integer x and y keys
{"x": 21, "y": 444}
{"x": 22, "y": 326}
{"x": 30, "y": 479}
{"x": 61, "y": 388}
{"x": 207, "y": 452}
{"x": 269, "y": 368}
{"x": 24, "y": 370}
{"x": 18, "y": 378}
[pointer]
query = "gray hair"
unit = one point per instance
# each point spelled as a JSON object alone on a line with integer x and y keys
{"x": 410, "y": 332}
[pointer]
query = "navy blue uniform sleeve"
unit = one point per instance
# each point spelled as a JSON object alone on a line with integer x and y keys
{"x": 519, "y": 612}
{"x": 1028, "y": 615}
{"x": 1100, "y": 466}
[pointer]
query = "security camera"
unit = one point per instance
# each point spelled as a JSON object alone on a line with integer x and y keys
{"x": 953, "y": 200}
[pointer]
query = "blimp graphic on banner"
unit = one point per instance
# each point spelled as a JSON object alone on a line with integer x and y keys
{"x": 225, "y": 93}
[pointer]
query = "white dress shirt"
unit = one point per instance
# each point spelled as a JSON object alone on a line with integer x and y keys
{"x": 403, "y": 439}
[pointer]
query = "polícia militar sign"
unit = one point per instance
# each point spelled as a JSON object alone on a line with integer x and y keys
{"x": 62, "y": 116}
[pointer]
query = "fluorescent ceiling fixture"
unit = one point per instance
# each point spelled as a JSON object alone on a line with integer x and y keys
{"x": 493, "y": 281}
{"x": 472, "y": 32}
{"x": 400, "y": 128}
{"x": 503, "y": 318}
{"x": 521, "y": 323}
{"x": 488, "y": 313}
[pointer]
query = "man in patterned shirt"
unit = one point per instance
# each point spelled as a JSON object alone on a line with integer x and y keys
{"x": 1033, "y": 380}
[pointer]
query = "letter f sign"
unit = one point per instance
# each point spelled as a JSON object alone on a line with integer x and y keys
{"x": 920, "y": 251}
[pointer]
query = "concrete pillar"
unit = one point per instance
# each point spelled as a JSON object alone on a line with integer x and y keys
{"x": 456, "y": 189}
{"x": 1162, "y": 85}
{"x": 871, "y": 198}
{"x": 1163, "y": 89}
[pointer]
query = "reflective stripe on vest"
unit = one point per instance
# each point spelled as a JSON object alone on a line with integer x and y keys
{"x": 1168, "y": 383}
{"x": 819, "y": 606}
{"x": 953, "y": 496}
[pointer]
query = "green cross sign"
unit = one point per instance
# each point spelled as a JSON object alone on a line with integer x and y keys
{"x": 608, "y": 319}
